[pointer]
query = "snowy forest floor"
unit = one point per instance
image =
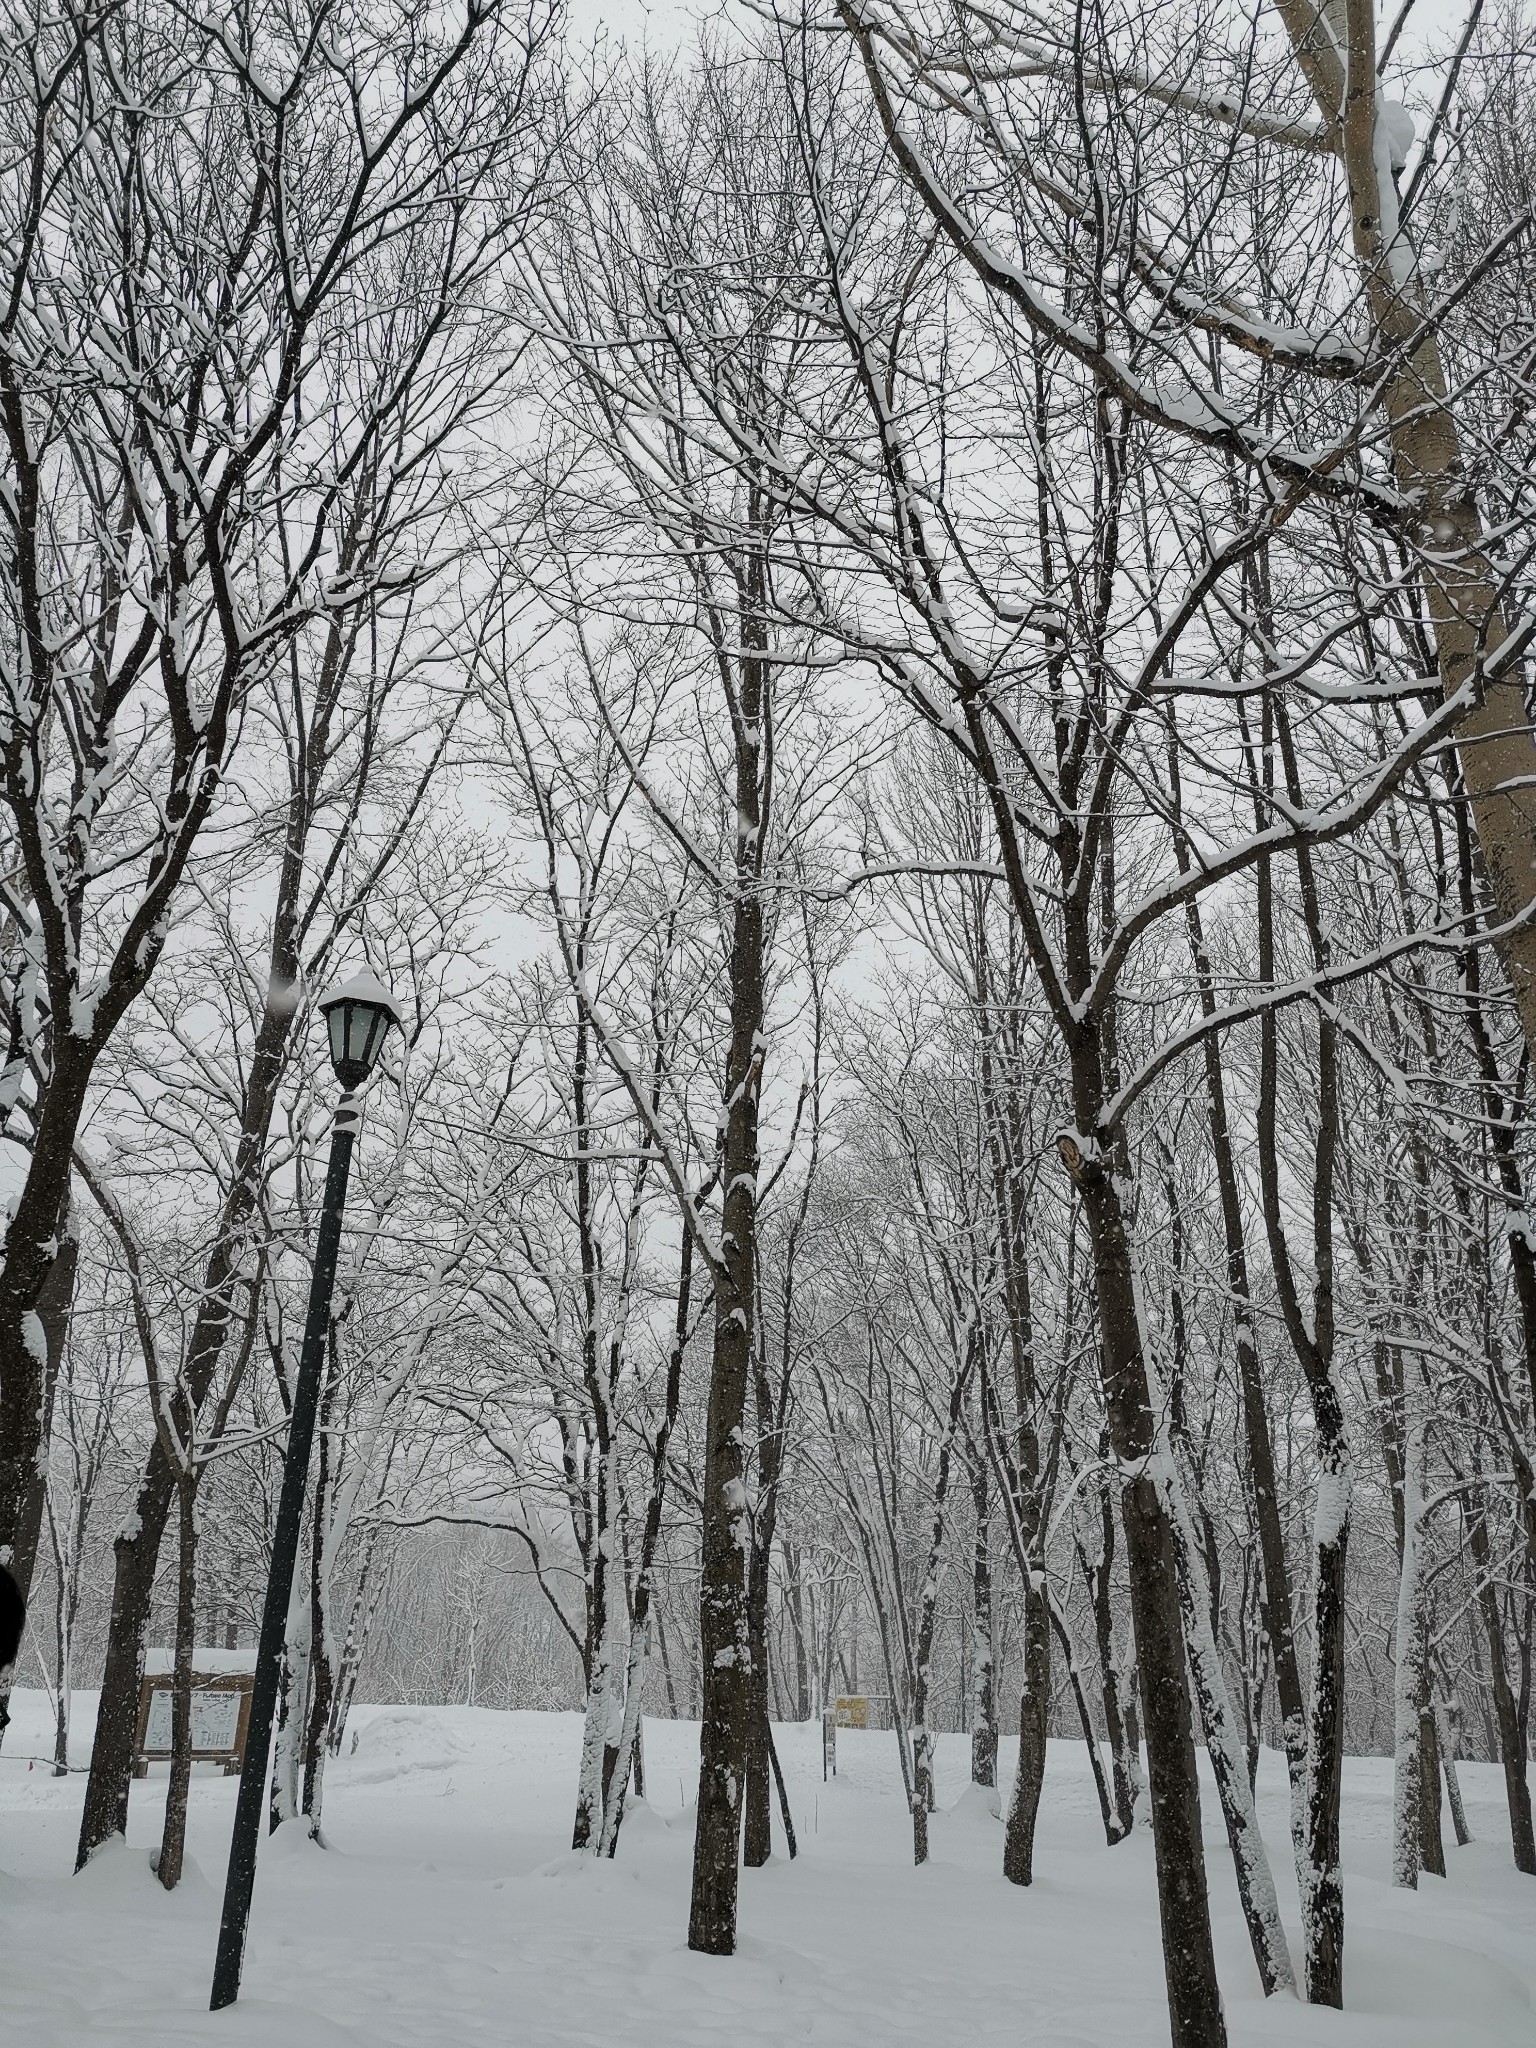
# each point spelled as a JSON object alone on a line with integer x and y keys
{"x": 449, "y": 1911}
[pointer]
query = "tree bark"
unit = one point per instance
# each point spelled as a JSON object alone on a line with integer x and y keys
{"x": 725, "y": 1637}
{"x": 1189, "y": 1961}
{"x": 983, "y": 1676}
{"x": 173, "y": 1841}
{"x": 1034, "y": 1727}
{"x": 1517, "y": 1791}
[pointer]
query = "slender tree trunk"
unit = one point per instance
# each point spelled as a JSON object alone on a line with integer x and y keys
{"x": 287, "y": 1750}
{"x": 322, "y": 1690}
{"x": 1431, "y": 1839}
{"x": 1409, "y": 1679}
{"x": 1113, "y": 1832}
{"x": 1116, "y": 1692}
{"x": 1448, "y": 1725}
{"x": 983, "y": 1676}
{"x": 173, "y": 1842}
{"x": 1255, "y": 1880}
{"x": 724, "y": 1632}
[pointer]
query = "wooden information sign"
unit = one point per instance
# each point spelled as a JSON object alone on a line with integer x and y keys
{"x": 852, "y": 1710}
{"x": 221, "y": 1713}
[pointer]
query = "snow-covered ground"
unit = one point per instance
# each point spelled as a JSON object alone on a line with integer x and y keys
{"x": 448, "y": 1911}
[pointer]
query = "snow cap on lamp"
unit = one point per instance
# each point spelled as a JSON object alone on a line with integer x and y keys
{"x": 358, "y": 1015}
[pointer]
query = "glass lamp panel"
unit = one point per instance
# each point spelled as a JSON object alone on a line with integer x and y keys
{"x": 359, "y": 1020}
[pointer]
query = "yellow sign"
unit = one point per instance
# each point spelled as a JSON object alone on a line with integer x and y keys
{"x": 852, "y": 1710}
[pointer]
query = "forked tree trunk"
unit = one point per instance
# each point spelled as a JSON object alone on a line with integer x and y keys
{"x": 1116, "y": 1693}
{"x": 136, "y": 1552}
{"x": 1255, "y": 1880}
{"x": 1034, "y": 1725}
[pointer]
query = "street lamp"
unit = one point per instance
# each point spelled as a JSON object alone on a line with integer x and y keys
{"x": 358, "y": 1017}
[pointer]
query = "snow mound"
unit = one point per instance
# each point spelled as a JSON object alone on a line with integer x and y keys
{"x": 118, "y": 1877}
{"x": 642, "y": 1823}
{"x": 976, "y": 1803}
{"x": 1412, "y": 1976}
{"x": 397, "y": 1740}
{"x": 292, "y": 1842}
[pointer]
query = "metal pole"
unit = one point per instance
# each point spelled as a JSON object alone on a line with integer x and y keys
{"x": 285, "y": 1551}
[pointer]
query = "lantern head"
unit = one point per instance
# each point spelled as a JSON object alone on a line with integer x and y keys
{"x": 358, "y": 1015}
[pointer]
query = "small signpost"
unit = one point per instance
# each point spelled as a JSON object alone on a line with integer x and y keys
{"x": 221, "y": 1709}
{"x": 850, "y": 1710}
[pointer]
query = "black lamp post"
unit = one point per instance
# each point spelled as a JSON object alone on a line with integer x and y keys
{"x": 358, "y": 1016}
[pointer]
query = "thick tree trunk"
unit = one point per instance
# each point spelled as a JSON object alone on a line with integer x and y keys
{"x": 1189, "y": 1961}
{"x": 136, "y": 1555}
{"x": 1116, "y": 1693}
{"x": 1517, "y": 1791}
{"x": 50, "y": 1327}
{"x": 1034, "y": 1721}
{"x": 1497, "y": 748}
{"x": 35, "y": 1294}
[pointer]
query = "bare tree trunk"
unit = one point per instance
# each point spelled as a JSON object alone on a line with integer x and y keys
{"x": 322, "y": 1692}
{"x": 1034, "y": 1718}
{"x": 1113, "y": 1832}
{"x": 1189, "y": 1961}
{"x": 1255, "y": 1880}
{"x": 1410, "y": 1675}
{"x": 1448, "y": 1724}
{"x": 1117, "y": 1693}
{"x": 1517, "y": 1791}
{"x": 136, "y": 1554}
{"x": 54, "y": 1300}
{"x": 174, "y": 1840}
{"x": 1336, "y": 48}
{"x": 983, "y": 1677}
{"x": 724, "y": 1633}
{"x": 1431, "y": 1840}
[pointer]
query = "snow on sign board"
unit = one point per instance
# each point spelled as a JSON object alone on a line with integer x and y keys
{"x": 220, "y": 1712}
{"x": 852, "y": 1710}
